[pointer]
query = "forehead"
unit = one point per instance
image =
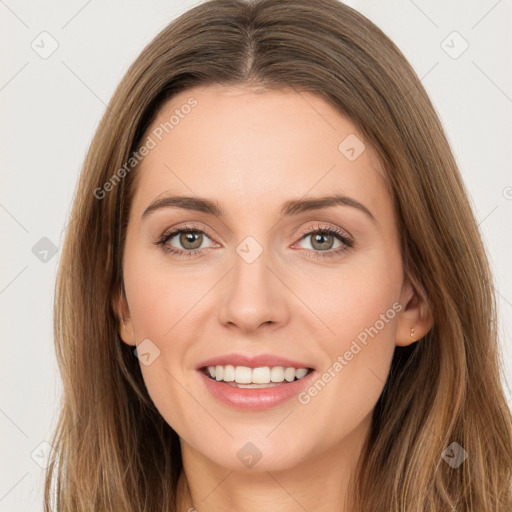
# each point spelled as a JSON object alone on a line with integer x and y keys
{"x": 252, "y": 148}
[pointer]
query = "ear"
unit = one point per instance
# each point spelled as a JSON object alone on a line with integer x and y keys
{"x": 416, "y": 314}
{"x": 122, "y": 311}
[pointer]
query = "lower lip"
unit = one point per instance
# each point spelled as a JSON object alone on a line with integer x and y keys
{"x": 256, "y": 399}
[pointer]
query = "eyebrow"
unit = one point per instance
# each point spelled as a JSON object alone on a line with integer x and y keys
{"x": 291, "y": 207}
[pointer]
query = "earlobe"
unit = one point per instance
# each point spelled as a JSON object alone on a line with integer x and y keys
{"x": 415, "y": 320}
{"x": 125, "y": 327}
{"x": 126, "y": 332}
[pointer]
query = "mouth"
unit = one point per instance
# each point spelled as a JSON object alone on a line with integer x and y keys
{"x": 256, "y": 388}
{"x": 261, "y": 377}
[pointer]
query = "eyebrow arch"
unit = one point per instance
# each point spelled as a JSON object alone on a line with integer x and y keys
{"x": 291, "y": 207}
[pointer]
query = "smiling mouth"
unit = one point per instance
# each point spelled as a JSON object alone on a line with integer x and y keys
{"x": 254, "y": 378}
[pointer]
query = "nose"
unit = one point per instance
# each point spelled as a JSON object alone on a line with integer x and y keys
{"x": 253, "y": 294}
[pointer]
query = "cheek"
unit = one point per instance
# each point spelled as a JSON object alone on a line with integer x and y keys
{"x": 354, "y": 298}
{"x": 160, "y": 298}
{"x": 161, "y": 304}
{"x": 360, "y": 308}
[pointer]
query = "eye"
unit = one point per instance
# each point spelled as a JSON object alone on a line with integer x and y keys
{"x": 323, "y": 239}
{"x": 189, "y": 240}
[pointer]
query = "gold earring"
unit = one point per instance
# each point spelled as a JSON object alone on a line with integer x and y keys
{"x": 412, "y": 333}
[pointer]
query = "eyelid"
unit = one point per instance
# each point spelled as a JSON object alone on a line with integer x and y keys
{"x": 306, "y": 231}
{"x": 186, "y": 227}
{"x": 326, "y": 227}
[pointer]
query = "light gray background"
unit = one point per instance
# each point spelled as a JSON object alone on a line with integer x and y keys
{"x": 51, "y": 108}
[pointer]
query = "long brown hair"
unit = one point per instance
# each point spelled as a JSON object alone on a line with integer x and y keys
{"x": 115, "y": 451}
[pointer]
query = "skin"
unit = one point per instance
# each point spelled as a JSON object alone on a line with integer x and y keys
{"x": 251, "y": 151}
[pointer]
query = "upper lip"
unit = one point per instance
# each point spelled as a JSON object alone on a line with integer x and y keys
{"x": 253, "y": 361}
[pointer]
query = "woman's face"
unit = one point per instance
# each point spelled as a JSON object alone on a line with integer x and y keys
{"x": 259, "y": 275}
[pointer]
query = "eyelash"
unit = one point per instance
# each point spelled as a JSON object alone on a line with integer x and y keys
{"x": 183, "y": 253}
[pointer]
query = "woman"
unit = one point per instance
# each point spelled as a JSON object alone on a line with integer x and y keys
{"x": 276, "y": 296}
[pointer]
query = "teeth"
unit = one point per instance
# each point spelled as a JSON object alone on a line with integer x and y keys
{"x": 260, "y": 375}
{"x": 229, "y": 373}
